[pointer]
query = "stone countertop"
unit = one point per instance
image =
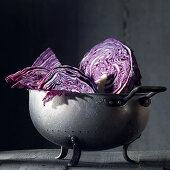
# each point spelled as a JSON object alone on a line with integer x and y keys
{"x": 44, "y": 159}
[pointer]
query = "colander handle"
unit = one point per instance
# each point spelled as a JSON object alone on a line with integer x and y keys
{"x": 148, "y": 91}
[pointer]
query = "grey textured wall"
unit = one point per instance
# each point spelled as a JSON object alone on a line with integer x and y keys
{"x": 97, "y": 21}
{"x": 149, "y": 27}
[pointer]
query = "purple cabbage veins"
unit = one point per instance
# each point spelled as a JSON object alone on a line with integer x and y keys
{"x": 29, "y": 77}
{"x": 47, "y": 60}
{"x": 67, "y": 78}
{"x": 113, "y": 61}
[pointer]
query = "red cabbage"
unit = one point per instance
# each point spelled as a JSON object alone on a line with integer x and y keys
{"x": 46, "y": 73}
{"x": 47, "y": 60}
{"x": 116, "y": 61}
{"x": 67, "y": 78}
{"x": 29, "y": 77}
{"x": 52, "y": 93}
{"x": 110, "y": 65}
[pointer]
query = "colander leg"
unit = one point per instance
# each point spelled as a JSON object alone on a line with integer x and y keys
{"x": 125, "y": 155}
{"x": 63, "y": 153}
{"x": 76, "y": 152}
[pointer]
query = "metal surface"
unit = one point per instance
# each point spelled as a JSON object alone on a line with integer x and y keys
{"x": 144, "y": 101}
{"x": 63, "y": 153}
{"x": 76, "y": 152}
{"x": 125, "y": 154}
{"x": 87, "y": 117}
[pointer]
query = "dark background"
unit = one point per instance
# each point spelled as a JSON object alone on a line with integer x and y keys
{"x": 71, "y": 28}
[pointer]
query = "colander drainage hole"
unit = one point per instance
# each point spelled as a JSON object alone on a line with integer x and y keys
{"x": 65, "y": 131}
{"x": 79, "y": 131}
{"x": 72, "y": 131}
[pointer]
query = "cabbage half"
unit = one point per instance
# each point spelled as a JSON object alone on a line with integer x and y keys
{"x": 48, "y": 74}
{"x": 115, "y": 62}
{"x": 29, "y": 77}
